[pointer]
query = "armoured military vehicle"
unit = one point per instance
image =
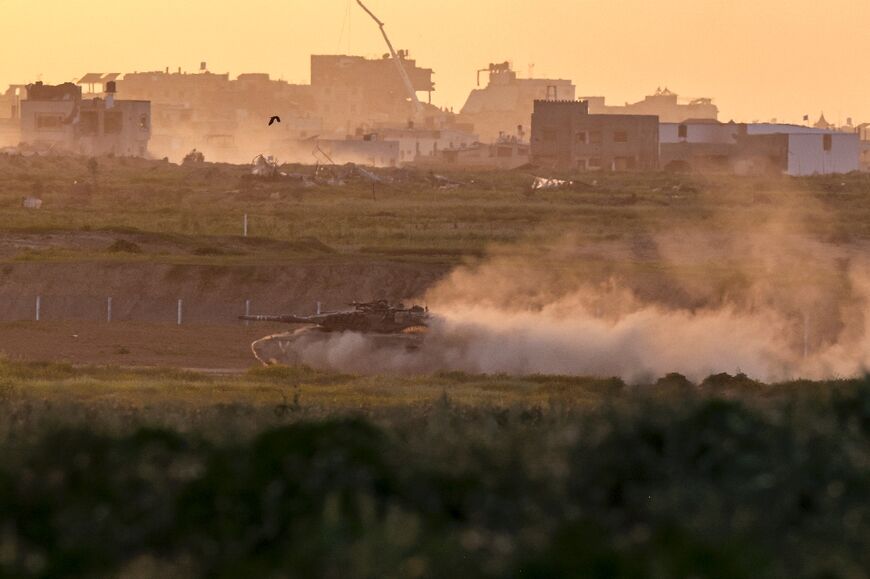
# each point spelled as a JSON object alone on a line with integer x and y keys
{"x": 386, "y": 326}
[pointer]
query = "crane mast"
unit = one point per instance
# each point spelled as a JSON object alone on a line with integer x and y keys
{"x": 418, "y": 107}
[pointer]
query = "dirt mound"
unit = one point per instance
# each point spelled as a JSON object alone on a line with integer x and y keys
{"x": 211, "y": 294}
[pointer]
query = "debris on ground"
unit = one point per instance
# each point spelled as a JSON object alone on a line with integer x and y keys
{"x": 194, "y": 157}
{"x": 443, "y": 182}
{"x": 31, "y": 202}
{"x": 263, "y": 166}
{"x": 541, "y": 183}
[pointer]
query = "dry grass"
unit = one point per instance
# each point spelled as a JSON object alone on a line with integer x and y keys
{"x": 408, "y": 218}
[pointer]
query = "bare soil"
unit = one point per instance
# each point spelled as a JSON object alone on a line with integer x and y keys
{"x": 222, "y": 347}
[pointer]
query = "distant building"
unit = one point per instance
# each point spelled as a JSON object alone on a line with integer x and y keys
{"x": 503, "y": 109}
{"x": 664, "y": 104}
{"x": 57, "y": 118}
{"x": 504, "y": 155}
{"x": 350, "y": 91}
{"x": 359, "y": 151}
{"x": 205, "y": 110}
{"x": 863, "y": 131}
{"x": 223, "y": 118}
{"x": 796, "y": 150}
{"x": 566, "y": 136}
{"x": 416, "y": 144}
{"x": 10, "y": 109}
{"x": 698, "y": 145}
{"x": 704, "y": 145}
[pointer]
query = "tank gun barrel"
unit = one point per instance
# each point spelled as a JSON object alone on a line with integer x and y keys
{"x": 278, "y": 319}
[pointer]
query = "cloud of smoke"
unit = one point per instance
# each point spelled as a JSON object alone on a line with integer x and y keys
{"x": 768, "y": 297}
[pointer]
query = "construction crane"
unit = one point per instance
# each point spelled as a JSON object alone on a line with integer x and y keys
{"x": 418, "y": 106}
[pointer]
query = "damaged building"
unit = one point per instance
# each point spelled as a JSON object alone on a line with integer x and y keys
{"x": 225, "y": 118}
{"x": 664, "y": 104}
{"x": 222, "y": 117}
{"x": 503, "y": 109}
{"x": 57, "y": 118}
{"x": 352, "y": 91}
{"x": 566, "y": 136}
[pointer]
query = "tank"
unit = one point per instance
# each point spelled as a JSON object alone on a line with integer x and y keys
{"x": 385, "y": 326}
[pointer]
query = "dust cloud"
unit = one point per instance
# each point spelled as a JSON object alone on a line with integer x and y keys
{"x": 777, "y": 297}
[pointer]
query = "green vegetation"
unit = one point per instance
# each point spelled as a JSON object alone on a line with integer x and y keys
{"x": 289, "y": 472}
{"x": 184, "y": 209}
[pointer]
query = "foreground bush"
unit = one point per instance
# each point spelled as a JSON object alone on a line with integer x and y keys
{"x": 668, "y": 487}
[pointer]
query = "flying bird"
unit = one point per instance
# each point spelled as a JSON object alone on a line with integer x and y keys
{"x": 274, "y": 119}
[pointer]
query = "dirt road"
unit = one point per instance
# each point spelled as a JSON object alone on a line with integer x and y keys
{"x": 132, "y": 344}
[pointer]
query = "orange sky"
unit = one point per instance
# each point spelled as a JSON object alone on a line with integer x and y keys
{"x": 757, "y": 58}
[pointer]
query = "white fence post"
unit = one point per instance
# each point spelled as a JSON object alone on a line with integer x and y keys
{"x": 179, "y": 312}
{"x": 245, "y": 226}
{"x": 38, "y": 306}
{"x": 247, "y": 310}
{"x": 109, "y": 309}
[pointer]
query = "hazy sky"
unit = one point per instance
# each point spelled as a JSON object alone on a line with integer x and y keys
{"x": 757, "y": 58}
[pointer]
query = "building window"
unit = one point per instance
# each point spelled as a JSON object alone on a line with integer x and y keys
{"x": 49, "y": 122}
{"x": 620, "y": 137}
{"x": 827, "y": 142}
{"x": 595, "y": 137}
{"x": 594, "y": 163}
{"x": 581, "y": 137}
{"x": 581, "y": 164}
{"x": 683, "y": 132}
{"x": 549, "y": 134}
{"x": 113, "y": 121}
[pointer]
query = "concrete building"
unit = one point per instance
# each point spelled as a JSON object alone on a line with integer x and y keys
{"x": 698, "y": 145}
{"x": 503, "y": 109}
{"x": 566, "y": 136}
{"x": 416, "y": 144}
{"x": 57, "y": 118}
{"x": 665, "y": 104}
{"x": 797, "y": 151}
{"x": 204, "y": 110}
{"x": 352, "y": 91}
{"x": 863, "y": 131}
{"x": 705, "y": 145}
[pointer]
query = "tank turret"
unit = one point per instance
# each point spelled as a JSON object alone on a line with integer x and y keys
{"x": 378, "y": 317}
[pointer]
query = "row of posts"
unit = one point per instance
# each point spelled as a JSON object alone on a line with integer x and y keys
{"x": 179, "y": 318}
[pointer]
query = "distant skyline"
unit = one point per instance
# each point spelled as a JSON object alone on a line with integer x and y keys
{"x": 758, "y": 59}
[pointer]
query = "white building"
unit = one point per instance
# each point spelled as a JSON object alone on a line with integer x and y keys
{"x": 803, "y": 151}
{"x": 758, "y": 148}
{"x": 416, "y": 144}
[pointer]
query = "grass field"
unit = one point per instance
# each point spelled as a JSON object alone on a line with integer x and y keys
{"x": 201, "y": 208}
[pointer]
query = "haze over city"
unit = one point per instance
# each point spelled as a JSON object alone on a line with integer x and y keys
{"x": 758, "y": 60}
